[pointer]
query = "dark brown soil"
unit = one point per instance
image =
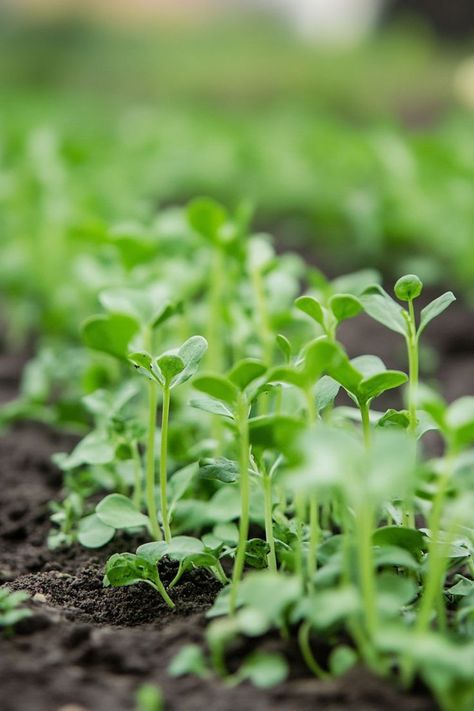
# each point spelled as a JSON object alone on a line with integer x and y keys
{"x": 88, "y": 648}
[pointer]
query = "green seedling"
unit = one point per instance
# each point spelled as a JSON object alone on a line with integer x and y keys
{"x": 149, "y": 697}
{"x": 325, "y": 486}
{"x": 168, "y": 371}
{"x": 11, "y": 610}
{"x": 234, "y": 395}
{"x": 380, "y": 306}
{"x": 128, "y": 569}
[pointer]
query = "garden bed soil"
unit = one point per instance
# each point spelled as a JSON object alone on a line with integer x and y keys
{"x": 88, "y": 648}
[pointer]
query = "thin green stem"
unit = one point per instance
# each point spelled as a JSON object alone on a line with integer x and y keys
{"x": 161, "y": 589}
{"x": 408, "y": 514}
{"x": 413, "y": 368}
{"x": 366, "y": 428}
{"x": 164, "y": 462}
{"x": 138, "y": 475}
{"x": 300, "y": 515}
{"x": 265, "y": 330}
{"x": 311, "y": 405}
{"x": 268, "y": 506}
{"x": 214, "y": 352}
{"x": 314, "y": 536}
{"x": 242, "y": 420}
{"x": 150, "y": 461}
{"x": 365, "y": 520}
{"x": 178, "y": 575}
{"x": 220, "y": 573}
{"x": 436, "y": 571}
{"x": 306, "y": 651}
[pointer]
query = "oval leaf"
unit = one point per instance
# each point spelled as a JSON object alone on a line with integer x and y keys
{"x": 119, "y": 512}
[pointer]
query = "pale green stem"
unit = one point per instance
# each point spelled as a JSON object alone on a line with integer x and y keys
{"x": 310, "y": 405}
{"x": 314, "y": 535}
{"x": 413, "y": 368}
{"x": 150, "y": 461}
{"x": 306, "y": 652}
{"x": 300, "y": 515}
{"x": 314, "y": 526}
{"x": 164, "y": 462}
{"x": 138, "y": 475}
{"x": 265, "y": 329}
{"x": 214, "y": 352}
{"x": 268, "y": 503}
{"x": 161, "y": 589}
{"x": 366, "y": 428}
{"x": 408, "y": 515}
{"x": 436, "y": 570}
{"x": 365, "y": 524}
{"x": 244, "y": 455}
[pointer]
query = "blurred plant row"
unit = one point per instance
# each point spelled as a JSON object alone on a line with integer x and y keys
{"x": 82, "y": 183}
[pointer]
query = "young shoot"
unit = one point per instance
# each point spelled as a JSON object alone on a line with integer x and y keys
{"x": 167, "y": 371}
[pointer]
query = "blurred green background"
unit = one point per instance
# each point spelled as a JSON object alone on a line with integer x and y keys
{"x": 354, "y": 144}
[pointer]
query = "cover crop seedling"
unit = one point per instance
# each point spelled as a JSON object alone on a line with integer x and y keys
{"x": 260, "y": 458}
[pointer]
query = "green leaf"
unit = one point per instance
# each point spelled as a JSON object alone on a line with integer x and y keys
{"x": 329, "y": 607}
{"x": 214, "y": 407}
{"x": 377, "y": 384}
{"x": 395, "y": 418}
{"x": 345, "y": 373}
{"x": 435, "y": 309}
{"x": 256, "y": 552}
{"x": 148, "y": 306}
{"x": 189, "y": 660}
{"x": 342, "y": 659}
{"x": 274, "y": 431}
{"x": 94, "y": 533}
{"x": 246, "y": 371}
{"x": 381, "y": 307}
{"x": 119, "y": 512}
{"x": 408, "y": 287}
{"x": 221, "y": 469}
{"x": 207, "y": 218}
{"x": 462, "y": 588}
{"x": 355, "y": 282}
{"x": 368, "y": 365}
{"x": 325, "y": 392}
{"x": 182, "y": 547}
{"x": 260, "y": 253}
{"x": 410, "y": 539}
{"x": 395, "y": 557}
{"x": 111, "y": 333}
{"x": 170, "y": 366}
{"x": 269, "y": 593}
{"x": 94, "y": 449}
{"x": 394, "y": 592}
{"x": 145, "y": 365}
{"x": 311, "y": 307}
{"x": 153, "y": 552}
{"x": 191, "y": 352}
{"x": 128, "y": 569}
{"x": 287, "y": 374}
{"x": 225, "y": 505}
{"x": 345, "y": 306}
{"x": 264, "y": 670}
{"x": 460, "y": 419}
{"x": 218, "y": 387}
{"x": 319, "y": 356}
{"x": 149, "y": 697}
{"x": 285, "y": 346}
{"x": 166, "y": 312}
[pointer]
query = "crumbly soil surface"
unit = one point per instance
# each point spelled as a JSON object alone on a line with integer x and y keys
{"x": 88, "y": 648}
